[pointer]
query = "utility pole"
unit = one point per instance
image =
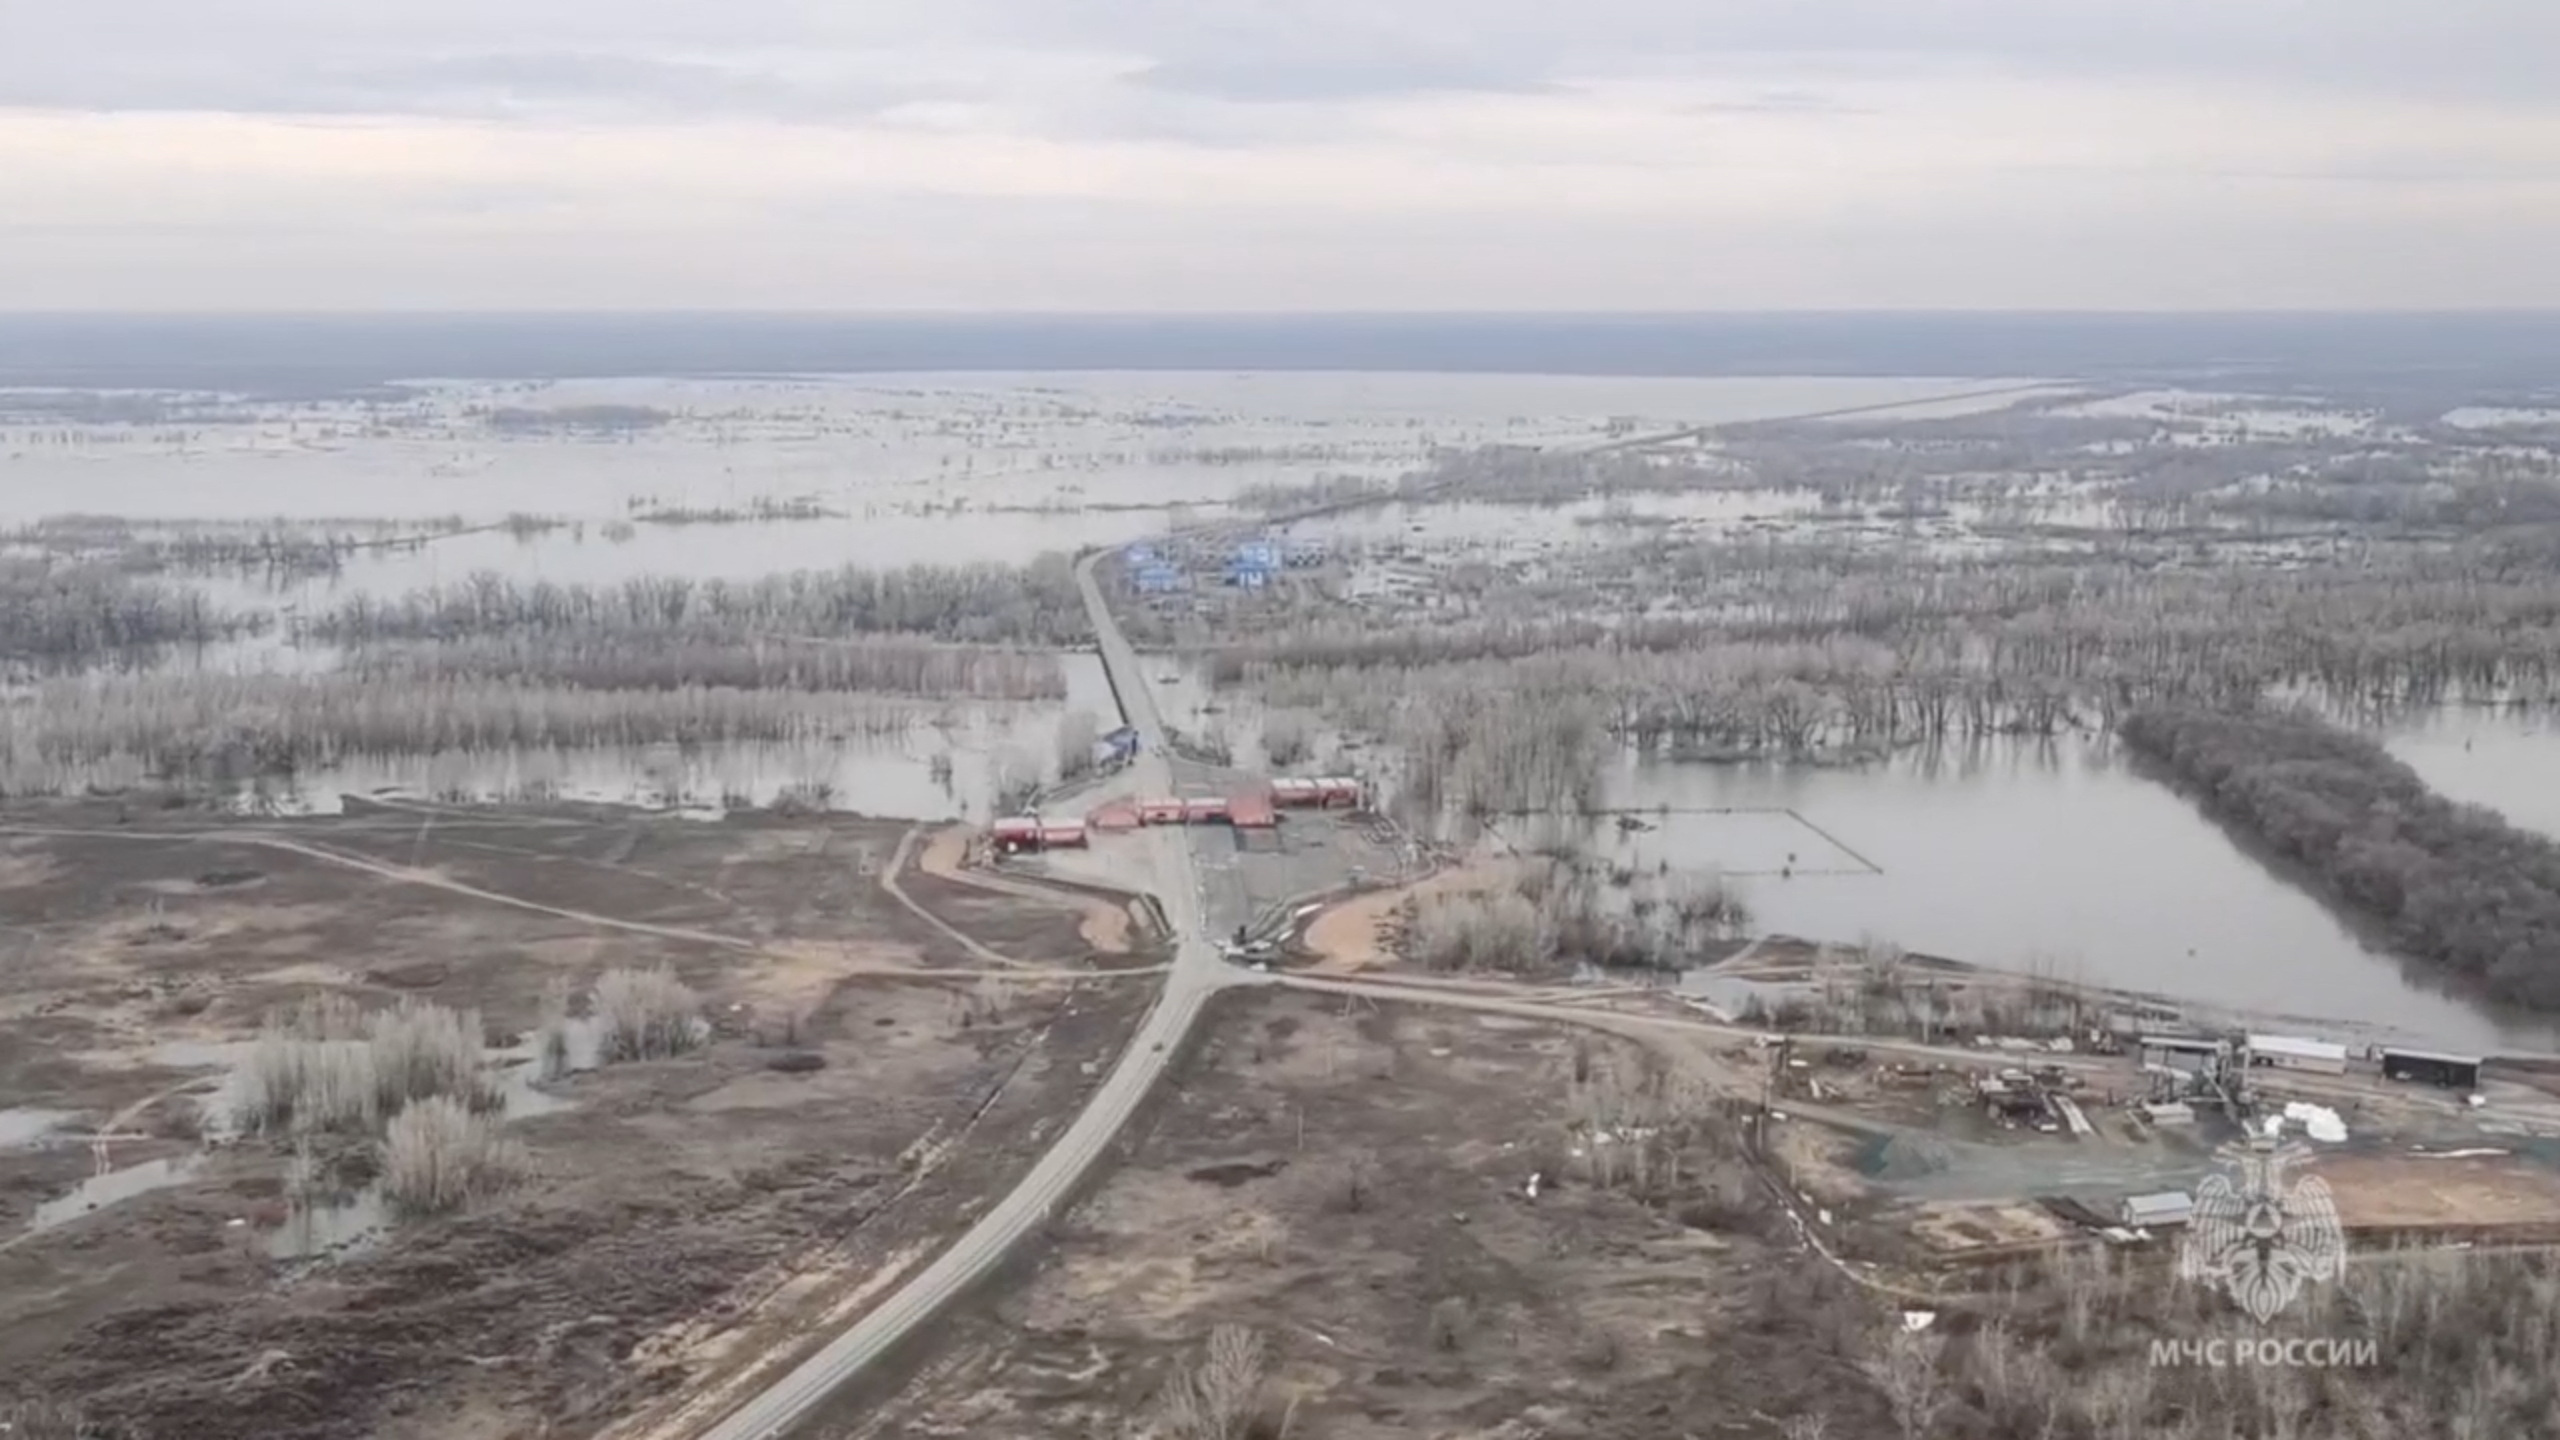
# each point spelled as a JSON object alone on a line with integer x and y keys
{"x": 1768, "y": 1089}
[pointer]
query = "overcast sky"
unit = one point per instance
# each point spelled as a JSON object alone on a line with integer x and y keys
{"x": 1278, "y": 154}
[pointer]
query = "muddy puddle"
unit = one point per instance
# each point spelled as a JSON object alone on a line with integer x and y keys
{"x": 332, "y": 1228}
{"x": 115, "y": 1186}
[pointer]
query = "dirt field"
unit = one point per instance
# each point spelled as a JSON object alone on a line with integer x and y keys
{"x": 1353, "y": 1185}
{"x": 685, "y": 1217}
{"x": 2416, "y": 1192}
{"x": 1354, "y": 935}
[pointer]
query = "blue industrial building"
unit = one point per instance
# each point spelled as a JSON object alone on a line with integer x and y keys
{"x": 1119, "y": 747}
{"x": 1157, "y": 578}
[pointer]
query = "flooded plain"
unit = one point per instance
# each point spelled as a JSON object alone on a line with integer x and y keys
{"x": 2009, "y": 853}
{"x": 598, "y": 482}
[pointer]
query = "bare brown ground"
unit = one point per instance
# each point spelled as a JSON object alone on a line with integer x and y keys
{"x": 1103, "y": 925}
{"x": 687, "y": 1221}
{"x": 1353, "y": 936}
{"x": 2412, "y": 1192}
{"x": 1437, "y": 1298}
{"x": 1972, "y": 1229}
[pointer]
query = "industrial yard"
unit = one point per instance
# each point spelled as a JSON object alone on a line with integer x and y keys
{"x": 1426, "y": 1219}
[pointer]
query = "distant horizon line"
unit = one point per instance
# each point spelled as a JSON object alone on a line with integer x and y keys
{"x": 922, "y": 313}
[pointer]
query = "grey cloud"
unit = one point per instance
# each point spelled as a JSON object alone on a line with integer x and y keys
{"x": 481, "y": 84}
{"x": 1252, "y": 78}
{"x": 485, "y": 56}
{"x": 1780, "y": 102}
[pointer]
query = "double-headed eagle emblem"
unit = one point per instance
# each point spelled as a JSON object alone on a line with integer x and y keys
{"x": 2260, "y": 1239}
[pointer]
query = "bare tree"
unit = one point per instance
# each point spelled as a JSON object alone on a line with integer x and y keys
{"x": 1908, "y": 1375}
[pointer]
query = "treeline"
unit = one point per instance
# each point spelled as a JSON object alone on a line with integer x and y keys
{"x": 56, "y": 615}
{"x": 1728, "y": 696}
{"x": 1036, "y": 604}
{"x": 203, "y": 729}
{"x": 885, "y": 665}
{"x": 2455, "y": 884}
{"x": 1508, "y": 747}
{"x": 1813, "y": 644}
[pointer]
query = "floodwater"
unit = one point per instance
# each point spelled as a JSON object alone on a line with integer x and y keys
{"x": 859, "y": 445}
{"x": 317, "y": 1229}
{"x": 21, "y": 1125}
{"x": 100, "y": 1191}
{"x": 2044, "y": 857}
{"x": 899, "y": 469}
{"x": 947, "y": 763}
{"x": 2505, "y": 758}
{"x": 890, "y": 777}
{"x": 1464, "y": 525}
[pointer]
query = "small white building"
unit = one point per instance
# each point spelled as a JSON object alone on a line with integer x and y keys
{"x": 2169, "y": 1112}
{"x": 2294, "y": 1052}
{"x": 2153, "y": 1212}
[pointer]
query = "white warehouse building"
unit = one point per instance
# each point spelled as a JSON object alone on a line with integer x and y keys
{"x": 2294, "y": 1052}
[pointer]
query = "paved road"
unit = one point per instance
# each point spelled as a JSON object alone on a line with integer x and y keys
{"x": 1196, "y": 973}
{"x": 1701, "y": 432}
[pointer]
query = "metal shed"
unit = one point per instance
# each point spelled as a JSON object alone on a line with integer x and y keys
{"x": 2294, "y": 1052}
{"x": 2432, "y": 1067}
{"x": 2167, "y": 1207}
